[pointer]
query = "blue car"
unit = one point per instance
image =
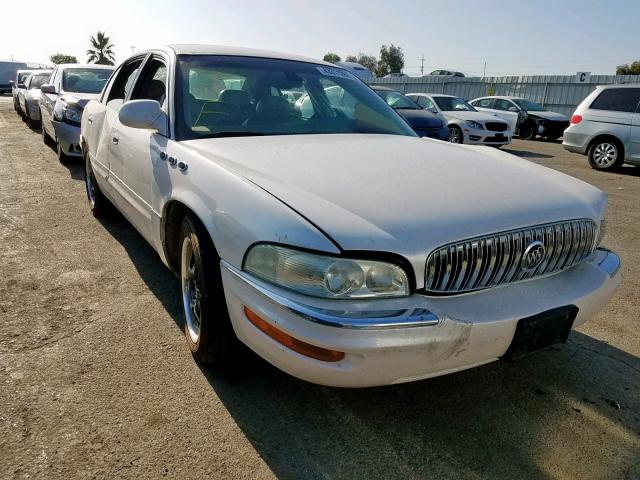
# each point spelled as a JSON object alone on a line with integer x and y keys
{"x": 423, "y": 122}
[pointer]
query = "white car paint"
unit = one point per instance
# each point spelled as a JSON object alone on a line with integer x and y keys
{"x": 473, "y": 136}
{"x": 336, "y": 193}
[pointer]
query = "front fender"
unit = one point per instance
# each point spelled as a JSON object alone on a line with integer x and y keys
{"x": 235, "y": 212}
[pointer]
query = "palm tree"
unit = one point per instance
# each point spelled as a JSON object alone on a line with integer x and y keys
{"x": 102, "y": 51}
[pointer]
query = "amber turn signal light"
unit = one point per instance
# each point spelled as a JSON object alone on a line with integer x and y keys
{"x": 303, "y": 348}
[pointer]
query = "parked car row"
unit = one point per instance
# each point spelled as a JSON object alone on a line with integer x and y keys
{"x": 309, "y": 222}
{"x": 55, "y": 99}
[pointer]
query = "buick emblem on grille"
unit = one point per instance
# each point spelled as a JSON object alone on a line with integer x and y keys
{"x": 533, "y": 256}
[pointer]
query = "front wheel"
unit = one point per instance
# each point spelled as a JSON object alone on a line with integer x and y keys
{"x": 98, "y": 202}
{"x": 62, "y": 157}
{"x": 455, "y": 135}
{"x": 207, "y": 328}
{"x": 605, "y": 155}
{"x": 526, "y": 131}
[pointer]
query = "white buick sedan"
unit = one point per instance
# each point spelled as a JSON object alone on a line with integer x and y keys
{"x": 338, "y": 245}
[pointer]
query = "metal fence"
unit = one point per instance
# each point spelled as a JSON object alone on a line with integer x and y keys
{"x": 560, "y": 93}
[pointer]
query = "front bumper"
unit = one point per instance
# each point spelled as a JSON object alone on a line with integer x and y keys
{"x": 68, "y": 136}
{"x": 474, "y": 136}
{"x": 400, "y": 340}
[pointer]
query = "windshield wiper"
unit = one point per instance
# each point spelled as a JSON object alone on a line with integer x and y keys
{"x": 232, "y": 134}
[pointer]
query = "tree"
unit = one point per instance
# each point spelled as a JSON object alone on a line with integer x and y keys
{"x": 101, "y": 51}
{"x": 626, "y": 69}
{"x": 391, "y": 60}
{"x": 368, "y": 61}
{"x": 365, "y": 60}
{"x": 58, "y": 58}
{"x": 331, "y": 57}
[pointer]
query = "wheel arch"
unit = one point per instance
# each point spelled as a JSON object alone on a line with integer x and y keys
{"x": 173, "y": 212}
{"x": 603, "y": 136}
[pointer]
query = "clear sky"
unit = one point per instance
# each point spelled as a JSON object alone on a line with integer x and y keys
{"x": 512, "y": 36}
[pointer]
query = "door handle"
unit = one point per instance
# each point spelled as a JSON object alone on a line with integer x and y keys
{"x": 115, "y": 140}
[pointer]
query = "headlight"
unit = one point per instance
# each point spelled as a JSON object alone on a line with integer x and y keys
{"x": 325, "y": 276}
{"x": 476, "y": 125}
{"x": 602, "y": 231}
{"x": 72, "y": 115}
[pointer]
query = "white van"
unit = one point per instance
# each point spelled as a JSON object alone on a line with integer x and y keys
{"x": 606, "y": 127}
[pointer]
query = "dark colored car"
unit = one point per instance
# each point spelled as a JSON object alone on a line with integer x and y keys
{"x": 423, "y": 122}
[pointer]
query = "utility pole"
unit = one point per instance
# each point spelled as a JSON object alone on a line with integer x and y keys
{"x": 484, "y": 71}
{"x": 12, "y": 57}
{"x": 133, "y": 49}
{"x": 422, "y": 65}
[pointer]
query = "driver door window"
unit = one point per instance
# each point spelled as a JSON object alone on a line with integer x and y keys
{"x": 122, "y": 84}
{"x": 153, "y": 83}
{"x": 502, "y": 104}
{"x": 424, "y": 102}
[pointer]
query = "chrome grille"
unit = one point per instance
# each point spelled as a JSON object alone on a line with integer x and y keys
{"x": 492, "y": 260}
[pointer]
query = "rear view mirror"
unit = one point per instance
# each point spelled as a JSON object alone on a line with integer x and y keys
{"x": 145, "y": 114}
{"x": 48, "y": 88}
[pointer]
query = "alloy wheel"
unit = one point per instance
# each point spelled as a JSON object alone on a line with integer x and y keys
{"x": 191, "y": 290}
{"x": 605, "y": 154}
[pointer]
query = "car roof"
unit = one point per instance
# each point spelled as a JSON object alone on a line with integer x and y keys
{"x": 620, "y": 85}
{"x": 201, "y": 49}
{"x": 97, "y": 66}
{"x": 434, "y": 94}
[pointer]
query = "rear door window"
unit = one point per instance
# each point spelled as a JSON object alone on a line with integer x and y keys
{"x": 483, "y": 103}
{"x": 617, "y": 100}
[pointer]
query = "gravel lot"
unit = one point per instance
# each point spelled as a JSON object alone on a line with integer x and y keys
{"x": 96, "y": 380}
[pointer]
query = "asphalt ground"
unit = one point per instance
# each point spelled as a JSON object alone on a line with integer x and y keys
{"x": 96, "y": 380}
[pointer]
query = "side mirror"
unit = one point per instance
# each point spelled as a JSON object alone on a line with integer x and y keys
{"x": 12, "y": 83}
{"x": 21, "y": 85}
{"x": 48, "y": 88}
{"x": 513, "y": 109}
{"x": 145, "y": 114}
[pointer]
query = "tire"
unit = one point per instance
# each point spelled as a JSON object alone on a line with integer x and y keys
{"x": 207, "y": 327}
{"x": 455, "y": 134}
{"x": 46, "y": 139}
{"x": 606, "y": 154}
{"x": 62, "y": 157}
{"x": 526, "y": 131}
{"x": 100, "y": 205}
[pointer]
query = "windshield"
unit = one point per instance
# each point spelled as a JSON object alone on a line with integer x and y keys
{"x": 85, "y": 80}
{"x": 37, "y": 80}
{"x": 451, "y": 104}
{"x": 398, "y": 100}
{"x": 221, "y": 96}
{"x": 529, "y": 106}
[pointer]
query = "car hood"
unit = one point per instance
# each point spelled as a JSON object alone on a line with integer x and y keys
{"x": 420, "y": 118}
{"x": 402, "y": 194}
{"x": 477, "y": 116}
{"x": 79, "y": 99}
{"x": 549, "y": 116}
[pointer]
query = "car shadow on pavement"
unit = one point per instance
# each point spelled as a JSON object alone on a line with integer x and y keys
{"x": 502, "y": 420}
{"x": 526, "y": 154}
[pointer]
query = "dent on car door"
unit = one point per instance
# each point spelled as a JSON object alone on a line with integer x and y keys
{"x": 135, "y": 151}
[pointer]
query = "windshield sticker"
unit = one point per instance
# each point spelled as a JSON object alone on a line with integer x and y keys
{"x": 335, "y": 72}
